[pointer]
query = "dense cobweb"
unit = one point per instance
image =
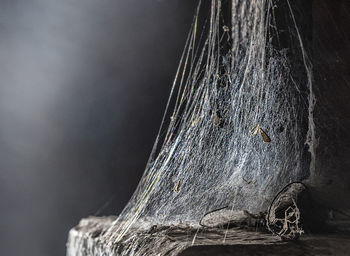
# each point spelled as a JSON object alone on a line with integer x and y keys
{"x": 234, "y": 75}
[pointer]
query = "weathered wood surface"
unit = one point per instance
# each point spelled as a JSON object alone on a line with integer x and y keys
{"x": 87, "y": 239}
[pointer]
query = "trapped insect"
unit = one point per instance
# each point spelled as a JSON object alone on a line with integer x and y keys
{"x": 177, "y": 186}
{"x": 217, "y": 118}
{"x": 247, "y": 181}
{"x": 264, "y": 135}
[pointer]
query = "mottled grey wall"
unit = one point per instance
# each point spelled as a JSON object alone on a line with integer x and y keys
{"x": 83, "y": 85}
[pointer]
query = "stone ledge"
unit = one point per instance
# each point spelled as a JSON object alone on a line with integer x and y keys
{"x": 90, "y": 238}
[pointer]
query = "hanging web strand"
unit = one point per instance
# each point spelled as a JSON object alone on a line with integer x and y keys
{"x": 153, "y": 176}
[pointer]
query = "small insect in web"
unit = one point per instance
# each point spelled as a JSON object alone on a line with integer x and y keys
{"x": 217, "y": 118}
{"x": 177, "y": 186}
{"x": 226, "y": 28}
{"x": 264, "y": 135}
{"x": 247, "y": 181}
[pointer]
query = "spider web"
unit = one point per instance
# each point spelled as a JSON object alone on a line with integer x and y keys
{"x": 234, "y": 75}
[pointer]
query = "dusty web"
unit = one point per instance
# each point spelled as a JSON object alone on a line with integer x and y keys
{"x": 234, "y": 75}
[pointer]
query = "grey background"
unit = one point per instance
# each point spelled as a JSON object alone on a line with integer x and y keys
{"x": 83, "y": 85}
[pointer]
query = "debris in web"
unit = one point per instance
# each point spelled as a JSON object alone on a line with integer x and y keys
{"x": 283, "y": 217}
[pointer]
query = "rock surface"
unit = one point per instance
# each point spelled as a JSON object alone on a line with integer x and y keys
{"x": 87, "y": 239}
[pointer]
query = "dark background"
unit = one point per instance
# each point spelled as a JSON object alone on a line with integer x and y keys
{"x": 83, "y": 86}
